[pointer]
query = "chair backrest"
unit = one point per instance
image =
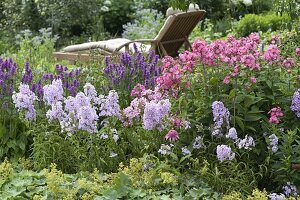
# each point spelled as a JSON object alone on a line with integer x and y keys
{"x": 176, "y": 30}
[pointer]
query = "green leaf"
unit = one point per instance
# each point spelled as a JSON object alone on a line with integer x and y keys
{"x": 252, "y": 117}
{"x": 240, "y": 122}
{"x": 232, "y": 93}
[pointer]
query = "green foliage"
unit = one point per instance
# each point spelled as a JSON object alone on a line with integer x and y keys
{"x": 81, "y": 151}
{"x": 146, "y": 25}
{"x": 119, "y": 13}
{"x": 255, "y": 23}
{"x": 205, "y": 30}
{"x": 53, "y": 184}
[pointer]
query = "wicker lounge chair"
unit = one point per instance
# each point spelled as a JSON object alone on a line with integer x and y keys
{"x": 169, "y": 40}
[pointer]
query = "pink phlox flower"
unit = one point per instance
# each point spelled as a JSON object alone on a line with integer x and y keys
{"x": 249, "y": 61}
{"x": 272, "y": 54}
{"x": 167, "y": 62}
{"x": 137, "y": 90}
{"x": 226, "y": 80}
{"x": 275, "y": 113}
{"x": 275, "y": 40}
{"x": 297, "y": 51}
{"x": 288, "y": 63}
{"x": 253, "y": 79}
{"x": 176, "y": 122}
{"x": 254, "y": 37}
{"x": 236, "y": 71}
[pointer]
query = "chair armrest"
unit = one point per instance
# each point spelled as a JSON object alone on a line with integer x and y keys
{"x": 126, "y": 45}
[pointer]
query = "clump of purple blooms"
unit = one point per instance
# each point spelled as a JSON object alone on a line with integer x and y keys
{"x": 295, "y": 107}
{"x": 165, "y": 149}
{"x": 24, "y": 101}
{"x": 8, "y": 69}
{"x": 109, "y": 105}
{"x": 275, "y": 196}
{"x": 53, "y": 92}
{"x": 246, "y": 143}
{"x": 224, "y": 153}
{"x": 220, "y": 116}
{"x": 154, "y": 113}
{"x": 273, "y": 143}
{"x": 27, "y": 75}
{"x": 290, "y": 190}
{"x": 79, "y": 112}
{"x": 132, "y": 69}
{"x": 198, "y": 142}
{"x": 68, "y": 77}
{"x": 232, "y": 134}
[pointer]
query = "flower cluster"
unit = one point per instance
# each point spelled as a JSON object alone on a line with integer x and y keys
{"x": 132, "y": 69}
{"x": 220, "y": 115}
{"x": 69, "y": 79}
{"x": 233, "y": 52}
{"x": 8, "y": 70}
{"x": 154, "y": 113}
{"x": 165, "y": 149}
{"x": 24, "y": 101}
{"x": 79, "y": 112}
{"x": 273, "y": 143}
{"x": 275, "y": 196}
{"x": 27, "y": 75}
{"x": 272, "y": 54}
{"x": 224, "y": 153}
{"x": 290, "y": 190}
{"x": 198, "y": 142}
{"x": 295, "y": 107}
{"x": 175, "y": 71}
{"x": 109, "y": 105}
{"x": 137, "y": 105}
{"x": 275, "y": 113}
{"x": 246, "y": 143}
{"x": 53, "y": 92}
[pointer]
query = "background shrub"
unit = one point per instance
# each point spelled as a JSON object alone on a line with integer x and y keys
{"x": 255, "y": 23}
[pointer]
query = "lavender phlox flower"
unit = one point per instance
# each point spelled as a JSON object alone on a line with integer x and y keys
{"x": 232, "y": 134}
{"x": 185, "y": 151}
{"x": 68, "y": 124}
{"x": 165, "y": 149}
{"x": 186, "y": 124}
{"x": 154, "y": 113}
{"x": 246, "y": 143}
{"x": 82, "y": 100}
{"x": 88, "y": 118}
{"x": 109, "y": 105}
{"x": 56, "y": 112}
{"x": 116, "y": 137}
{"x": 113, "y": 154}
{"x": 53, "y": 92}
{"x": 220, "y": 112}
{"x": 295, "y": 107}
{"x": 224, "y": 153}
{"x": 70, "y": 104}
{"x": 290, "y": 190}
{"x": 198, "y": 142}
{"x": 273, "y": 143}
{"x": 90, "y": 91}
{"x": 24, "y": 100}
{"x": 103, "y": 136}
{"x": 275, "y": 196}
{"x": 220, "y": 115}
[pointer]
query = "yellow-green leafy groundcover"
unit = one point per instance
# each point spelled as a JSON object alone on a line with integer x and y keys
{"x": 136, "y": 181}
